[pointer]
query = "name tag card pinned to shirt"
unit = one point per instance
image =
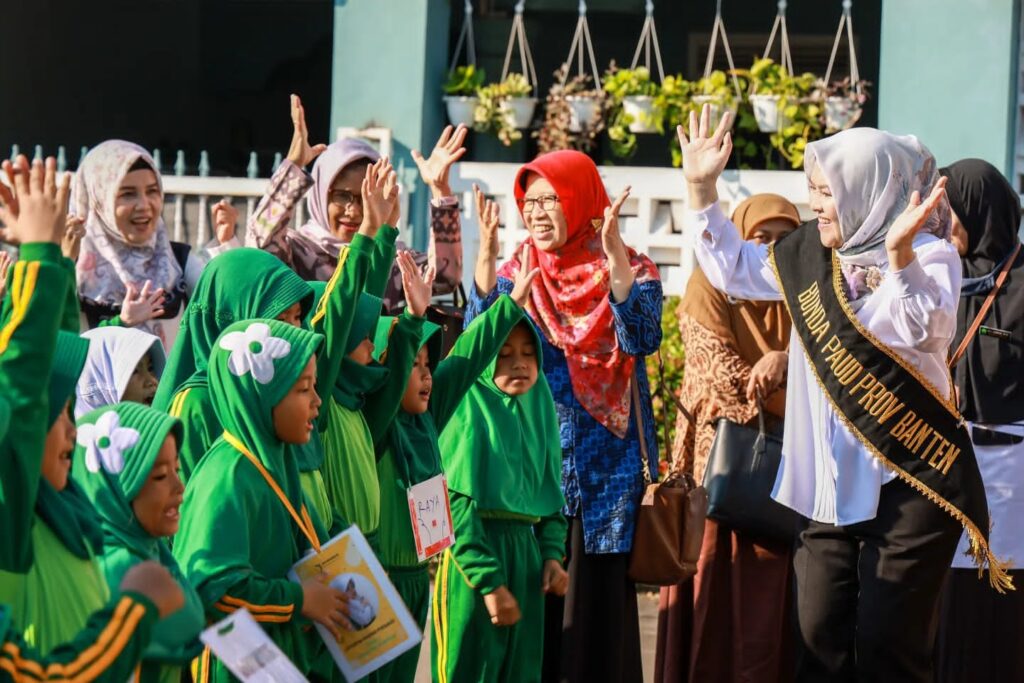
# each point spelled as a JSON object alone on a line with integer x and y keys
{"x": 431, "y": 515}
{"x": 248, "y": 652}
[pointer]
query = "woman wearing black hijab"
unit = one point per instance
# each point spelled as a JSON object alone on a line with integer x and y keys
{"x": 981, "y": 633}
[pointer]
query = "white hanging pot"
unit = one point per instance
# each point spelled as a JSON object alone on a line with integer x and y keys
{"x": 640, "y": 109}
{"x": 583, "y": 111}
{"x": 841, "y": 112}
{"x": 718, "y": 108}
{"x": 519, "y": 110}
{"x": 769, "y": 116}
{"x": 461, "y": 108}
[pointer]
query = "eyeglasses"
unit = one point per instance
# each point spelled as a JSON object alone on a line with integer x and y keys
{"x": 547, "y": 203}
{"x": 345, "y": 198}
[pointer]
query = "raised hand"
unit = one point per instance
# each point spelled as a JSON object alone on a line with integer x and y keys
{"x": 434, "y": 169}
{"x": 524, "y": 279}
{"x": 380, "y": 195}
{"x": 705, "y": 155}
{"x": 300, "y": 152}
{"x": 488, "y": 215}
{"x": 74, "y": 231}
{"x": 391, "y": 185}
{"x": 35, "y": 210}
{"x": 419, "y": 288}
{"x": 5, "y": 265}
{"x": 224, "y": 217}
{"x": 899, "y": 241}
{"x": 140, "y": 306}
{"x": 611, "y": 238}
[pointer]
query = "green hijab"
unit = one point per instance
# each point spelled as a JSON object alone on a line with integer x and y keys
{"x": 240, "y": 284}
{"x": 413, "y": 438}
{"x": 117, "y": 447}
{"x": 355, "y": 380}
{"x": 254, "y": 365}
{"x": 494, "y": 440}
{"x": 68, "y": 513}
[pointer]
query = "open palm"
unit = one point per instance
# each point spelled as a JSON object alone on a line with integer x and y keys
{"x": 705, "y": 154}
{"x": 418, "y": 287}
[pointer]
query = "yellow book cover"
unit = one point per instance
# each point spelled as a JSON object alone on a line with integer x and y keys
{"x": 384, "y": 627}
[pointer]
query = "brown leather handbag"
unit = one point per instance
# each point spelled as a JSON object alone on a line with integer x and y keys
{"x": 670, "y": 520}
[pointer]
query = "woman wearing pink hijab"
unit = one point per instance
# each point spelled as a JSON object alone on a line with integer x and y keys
{"x": 335, "y": 207}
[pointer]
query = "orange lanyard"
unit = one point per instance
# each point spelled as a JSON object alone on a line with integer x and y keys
{"x": 305, "y": 523}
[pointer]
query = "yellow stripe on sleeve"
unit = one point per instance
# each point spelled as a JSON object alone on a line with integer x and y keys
{"x": 23, "y": 285}
{"x": 321, "y": 308}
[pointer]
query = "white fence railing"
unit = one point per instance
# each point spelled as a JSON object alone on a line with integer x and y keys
{"x": 652, "y": 219}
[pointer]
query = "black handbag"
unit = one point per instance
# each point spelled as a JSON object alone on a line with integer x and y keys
{"x": 739, "y": 479}
{"x": 450, "y": 317}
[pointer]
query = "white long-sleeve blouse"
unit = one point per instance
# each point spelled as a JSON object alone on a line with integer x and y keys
{"x": 826, "y": 474}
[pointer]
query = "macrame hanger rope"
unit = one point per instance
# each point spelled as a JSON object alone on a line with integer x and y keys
{"x": 581, "y": 48}
{"x": 465, "y": 38}
{"x": 518, "y": 34}
{"x": 649, "y": 37}
{"x": 786, "y": 57}
{"x": 720, "y": 27}
{"x": 846, "y": 21}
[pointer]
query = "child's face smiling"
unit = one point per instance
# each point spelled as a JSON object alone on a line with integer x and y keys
{"x": 515, "y": 371}
{"x": 295, "y": 414}
{"x": 416, "y": 399}
{"x": 157, "y": 504}
{"x": 142, "y": 384}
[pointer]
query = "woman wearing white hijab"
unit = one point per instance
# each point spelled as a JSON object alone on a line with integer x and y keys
{"x": 878, "y": 283}
{"x": 129, "y": 272}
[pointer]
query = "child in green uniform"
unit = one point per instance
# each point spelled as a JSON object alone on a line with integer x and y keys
{"x": 53, "y": 599}
{"x": 239, "y": 285}
{"x": 244, "y": 520}
{"x": 128, "y": 466}
{"x": 509, "y": 539}
{"x": 40, "y": 292}
{"x": 409, "y": 451}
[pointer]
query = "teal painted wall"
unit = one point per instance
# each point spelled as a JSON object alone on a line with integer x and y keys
{"x": 948, "y": 74}
{"x": 389, "y": 61}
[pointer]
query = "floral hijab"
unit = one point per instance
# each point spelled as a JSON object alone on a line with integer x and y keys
{"x": 107, "y": 262}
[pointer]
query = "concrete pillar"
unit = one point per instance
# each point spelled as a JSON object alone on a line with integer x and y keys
{"x": 390, "y": 60}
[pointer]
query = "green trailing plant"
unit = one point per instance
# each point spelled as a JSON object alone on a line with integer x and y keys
{"x": 800, "y": 108}
{"x": 489, "y": 116}
{"x": 620, "y": 84}
{"x": 556, "y": 131}
{"x": 464, "y": 81}
{"x": 677, "y": 101}
{"x": 673, "y": 355}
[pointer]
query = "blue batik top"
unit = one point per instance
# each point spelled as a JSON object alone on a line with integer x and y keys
{"x": 602, "y": 475}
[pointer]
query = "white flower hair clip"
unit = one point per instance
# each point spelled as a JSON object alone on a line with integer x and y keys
{"x": 105, "y": 443}
{"x": 254, "y": 351}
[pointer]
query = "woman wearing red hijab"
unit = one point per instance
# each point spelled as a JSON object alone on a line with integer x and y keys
{"x": 597, "y": 306}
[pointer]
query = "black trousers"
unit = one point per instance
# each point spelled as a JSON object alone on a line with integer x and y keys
{"x": 867, "y": 594}
{"x": 593, "y": 634}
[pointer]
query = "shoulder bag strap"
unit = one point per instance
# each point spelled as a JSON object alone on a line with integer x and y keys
{"x": 973, "y": 330}
{"x": 634, "y": 387}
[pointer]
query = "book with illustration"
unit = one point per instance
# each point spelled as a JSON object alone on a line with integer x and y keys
{"x": 383, "y": 626}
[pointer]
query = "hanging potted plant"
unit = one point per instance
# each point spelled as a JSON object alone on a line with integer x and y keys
{"x": 460, "y": 96}
{"x": 505, "y": 108}
{"x": 844, "y": 103}
{"x": 573, "y": 114}
{"x": 633, "y": 92}
{"x": 675, "y": 102}
{"x": 716, "y": 91}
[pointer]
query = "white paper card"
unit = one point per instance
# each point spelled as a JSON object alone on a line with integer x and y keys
{"x": 431, "y": 515}
{"x": 248, "y": 652}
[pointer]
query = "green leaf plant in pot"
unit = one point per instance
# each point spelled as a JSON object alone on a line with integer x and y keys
{"x": 460, "y": 94}
{"x": 718, "y": 91}
{"x": 505, "y": 108}
{"x": 794, "y": 118}
{"x": 573, "y": 114}
{"x": 632, "y": 95}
